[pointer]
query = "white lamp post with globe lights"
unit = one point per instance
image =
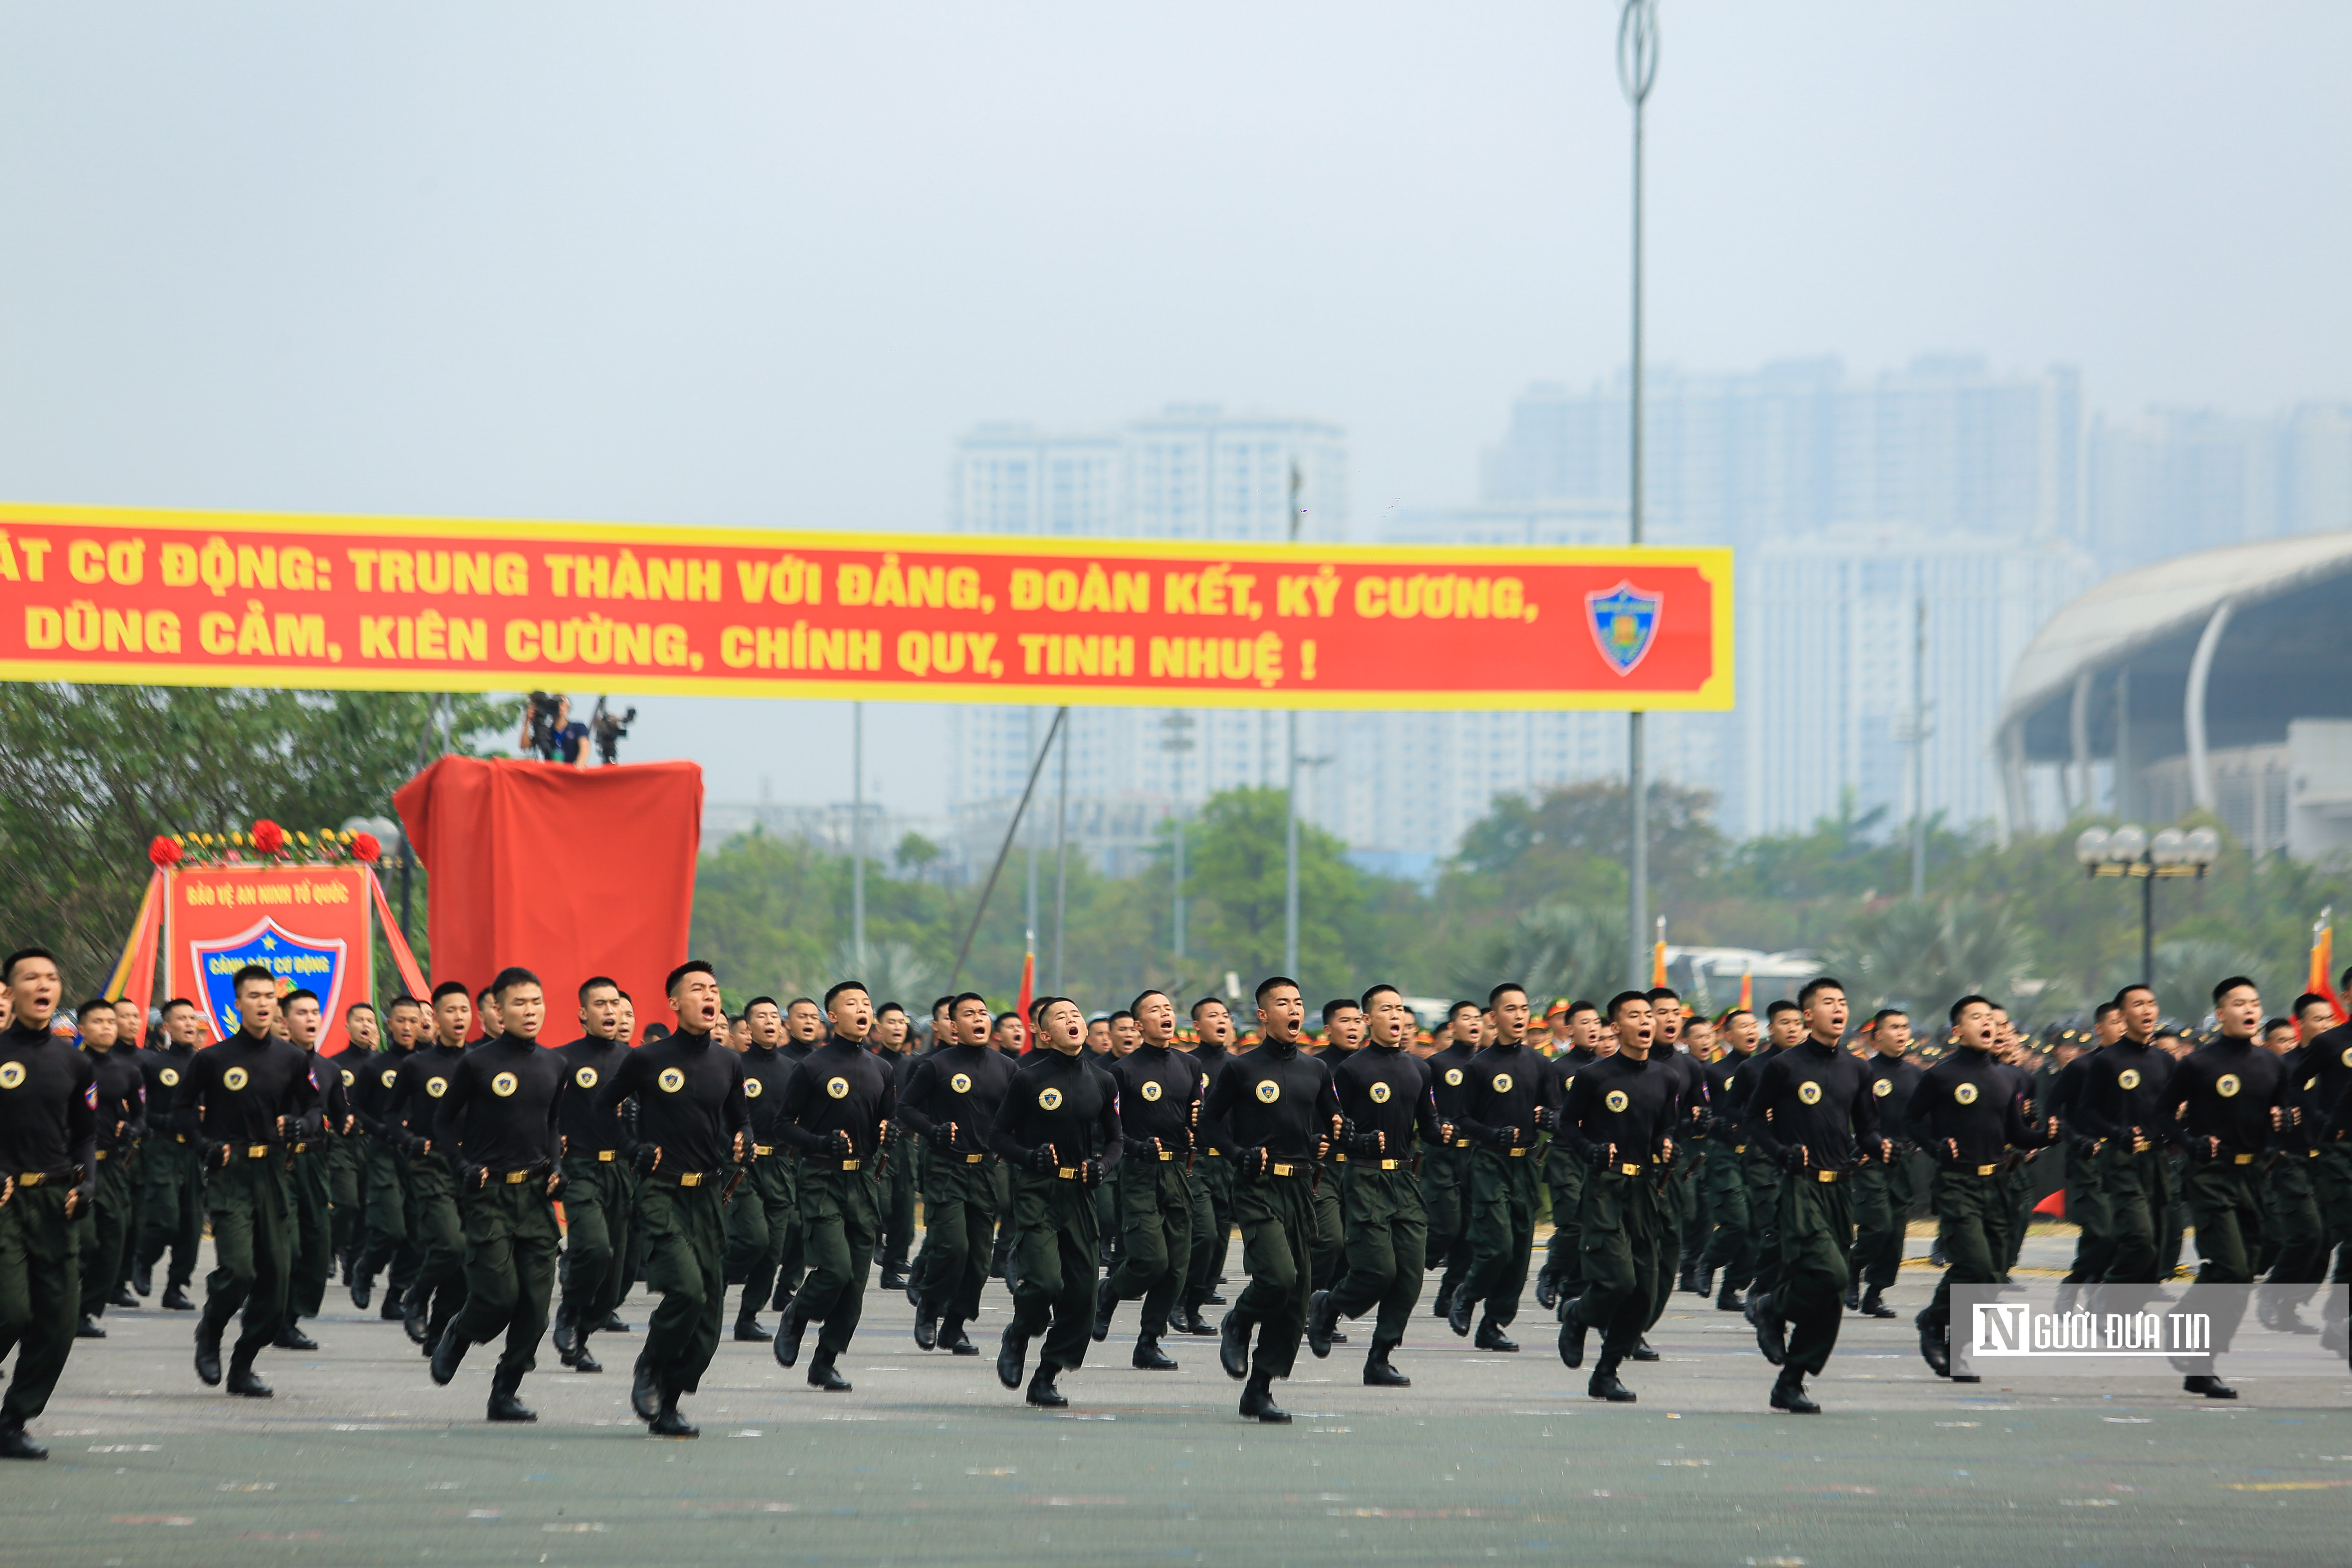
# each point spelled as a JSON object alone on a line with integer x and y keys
{"x": 2130, "y": 851}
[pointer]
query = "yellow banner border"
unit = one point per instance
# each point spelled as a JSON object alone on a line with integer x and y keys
{"x": 1713, "y": 562}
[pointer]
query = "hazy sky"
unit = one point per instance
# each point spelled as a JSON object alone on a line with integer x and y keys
{"x": 761, "y": 264}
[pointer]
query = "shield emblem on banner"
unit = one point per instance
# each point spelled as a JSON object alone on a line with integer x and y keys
{"x": 310, "y": 962}
{"x": 1624, "y": 623}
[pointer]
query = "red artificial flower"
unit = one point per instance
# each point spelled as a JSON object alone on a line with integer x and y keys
{"x": 164, "y": 852}
{"x": 268, "y": 837}
{"x": 365, "y": 848}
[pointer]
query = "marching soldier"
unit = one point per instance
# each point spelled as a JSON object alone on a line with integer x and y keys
{"x": 764, "y": 1211}
{"x": 1388, "y": 1114}
{"x": 122, "y": 1124}
{"x": 599, "y": 1197}
{"x": 803, "y": 1032}
{"x": 243, "y": 1101}
{"x": 1159, "y": 1101}
{"x": 440, "y": 1235}
{"x": 2086, "y": 1205}
{"x": 2294, "y": 1233}
{"x": 1058, "y": 1128}
{"x": 1882, "y": 1188}
{"x": 501, "y": 1123}
{"x": 1759, "y": 1264}
{"x": 1446, "y": 1172}
{"x": 49, "y": 1174}
{"x": 2228, "y": 1098}
{"x": 2122, "y": 1109}
{"x": 693, "y": 1122}
{"x": 170, "y": 1167}
{"x": 383, "y": 1157}
{"x": 837, "y": 1109}
{"x": 1563, "y": 1275}
{"x": 1212, "y": 1170}
{"x": 1814, "y": 1115}
{"x": 314, "y": 1231}
{"x": 897, "y": 1178}
{"x": 1503, "y": 1089}
{"x": 951, "y": 1104}
{"x": 1282, "y": 1116}
{"x": 1617, "y": 1120}
{"x": 1727, "y": 1177}
{"x": 1343, "y": 1033}
{"x": 1965, "y": 1112}
{"x": 346, "y": 1171}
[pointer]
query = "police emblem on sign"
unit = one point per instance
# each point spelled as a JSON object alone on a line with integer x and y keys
{"x": 1624, "y": 623}
{"x": 314, "y": 964}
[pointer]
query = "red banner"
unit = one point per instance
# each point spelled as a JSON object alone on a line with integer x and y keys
{"x": 308, "y": 925}
{"x": 96, "y": 594}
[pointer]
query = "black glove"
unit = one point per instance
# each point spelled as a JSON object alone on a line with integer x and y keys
{"x": 1090, "y": 1173}
{"x": 1041, "y": 1159}
{"x": 1598, "y": 1157}
{"x": 562, "y": 1186}
{"x": 1367, "y": 1144}
{"x": 1548, "y": 1118}
{"x": 844, "y": 1148}
{"x": 1255, "y": 1161}
{"x": 942, "y": 1135}
{"x": 1793, "y": 1158}
{"x": 217, "y": 1155}
{"x": 478, "y": 1176}
{"x": 644, "y": 1158}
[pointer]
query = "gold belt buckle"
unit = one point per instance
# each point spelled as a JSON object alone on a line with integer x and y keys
{"x": 689, "y": 1178}
{"x": 1213, "y": 1154}
{"x": 256, "y": 1151}
{"x": 1629, "y": 1170}
{"x": 1341, "y": 1158}
{"x": 1827, "y": 1176}
{"x": 1987, "y": 1169}
{"x": 1739, "y": 1148}
{"x": 102, "y": 1154}
{"x": 973, "y": 1158}
{"x": 2242, "y": 1159}
{"x": 604, "y": 1156}
{"x": 764, "y": 1150}
{"x": 1165, "y": 1155}
{"x": 1280, "y": 1170}
{"x": 516, "y": 1178}
{"x": 1461, "y": 1143}
{"x": 849, "y": 1164}
{"x": 1067, "y": 1173}
{"x": 32, "y": 1178}
{"x": 1517, "y": 1154}
{"x": 1391, "y": 1165}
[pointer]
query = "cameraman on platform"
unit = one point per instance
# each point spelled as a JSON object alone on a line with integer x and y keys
{"x": 549, "y": 732}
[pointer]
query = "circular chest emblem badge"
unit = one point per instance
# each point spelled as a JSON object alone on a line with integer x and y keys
{"x": 961, "y": 1083}
{"x": 1617, "y": 1100}
{"x": 2347, "y": 1056}
{"x": 2227, "y": 1085}
{"x": 503, "y": 1085}
{"x": 350, "y": 1077}
{"x": 2128, "y": 1078}
{"x": 1966, "y": 1094}
{"x": 1810, "y": 1093}
{"x": 585, "y": 1077}
{"x": 1568, "y": 1083}
{"x": 1049, "y": 1099}
{"x": 671, "y": 1080}
{"x": 170, "y": 1077}
{"x": 1379, "y": 1094}
{"x": 235, "y": 1077}
{"x": 1882, "y": 1087}
{"x": 838, "y": 1088}
{"x": 11, "y": 1074}
{"x": 1502, "y": 1083}
{"x": 1453, "y": 1077}
{"x": 1152, "y": 1091}
{"x": 1268, "y": 1091}
{"x": 389, "y": 1077}
{"x": 750, "y": 1088}
{"x": 436, "y": 1086}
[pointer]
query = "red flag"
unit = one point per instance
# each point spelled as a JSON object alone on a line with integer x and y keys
{"x": 2322, "y": 978}
{"x": 1746, "y": 991}
{"x": 134, "y": 972}
{"x": 1028, "y": 991}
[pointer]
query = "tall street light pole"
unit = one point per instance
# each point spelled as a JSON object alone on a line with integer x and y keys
{"x": 1290, "y": 800}
{"x": 1637, "y": 67}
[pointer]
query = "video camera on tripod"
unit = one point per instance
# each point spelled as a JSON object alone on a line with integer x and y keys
{"x": 608, "y": 731}
{"x": 543, "y": 715}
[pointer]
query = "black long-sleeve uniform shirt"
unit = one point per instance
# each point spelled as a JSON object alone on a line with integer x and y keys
{"x": 1972, "y": 1101}
{"x": 378, "y": 1076}
{"x": 1064, "y": 1102}
{"x": 1734, "y": 1107}
{"x": 2330, "y": 1099}
{"x": 1501, "y": 1091}
{"x": 1893, "y": 1082}
{"x": 840, "y": 1087}
{"x": 407, "y": 1111}
{"x": 2066, "y": 1093}
{"x": 587, "y": 1126}
{"x": 1618, "y": 1112}
{"x": 121, "y": 1097}
{"x": 2299, "y": 1127}
{"x": 1718, "y": 1075}
{"x": 2226, "y": 1089}
{"x": 235, "y": 1091}
{"x": 48, "y": 1106}
{"x": 334, "y": 1103}
{"x": 1276, "y": 1099}
{"x": 960, "y": 1086}
{"x": 1211, "y": 1060}
{"x": 2124, "y": 1088}
{"x": 1816, "y": 1097}
{"x": 503, "y": 1108}
{"x": 766, "y": 1071}
{"x": 350, "y": 1067}
{"x": 164, "y": 1071}
{"x": 1158, "y": 1089}
{"x": 1449, "y": 1080}
{"x": 1383, "y": 1091}
{"x": 690, "y": 1101}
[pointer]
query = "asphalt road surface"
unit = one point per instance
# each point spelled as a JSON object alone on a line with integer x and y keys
{"x": 1488, "y": 1458}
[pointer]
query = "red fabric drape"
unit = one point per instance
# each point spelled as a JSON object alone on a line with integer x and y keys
{"x": 569, "y": 872}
